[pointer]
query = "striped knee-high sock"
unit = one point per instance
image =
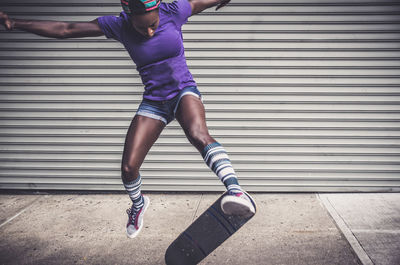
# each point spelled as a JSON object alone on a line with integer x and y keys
{"x": 133, "y": 189}
{"x": 217, "y": 159}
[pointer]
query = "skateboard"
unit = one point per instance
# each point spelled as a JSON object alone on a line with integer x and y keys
{"x": 204, "y": 235}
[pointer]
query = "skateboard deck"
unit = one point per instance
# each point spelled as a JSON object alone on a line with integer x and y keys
{"x": 204, "y": 235}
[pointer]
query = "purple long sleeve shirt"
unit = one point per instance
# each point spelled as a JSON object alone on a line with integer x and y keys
{"x": 160, "y": 60}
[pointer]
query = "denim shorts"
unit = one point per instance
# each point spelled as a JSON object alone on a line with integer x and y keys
{"x": 165, "y": 110}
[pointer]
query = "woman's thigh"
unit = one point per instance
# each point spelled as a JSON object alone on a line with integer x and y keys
{"x": 142, "y": 134}
{"x": 191, "y": 116}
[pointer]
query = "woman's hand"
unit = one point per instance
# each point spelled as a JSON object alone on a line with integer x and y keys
{"x": 6, "y": 21}
{"x": 200, "y": 5}
{"x": 222, "y": 4}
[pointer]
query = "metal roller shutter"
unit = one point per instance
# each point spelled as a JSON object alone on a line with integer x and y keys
{"x": 304, "y": 95}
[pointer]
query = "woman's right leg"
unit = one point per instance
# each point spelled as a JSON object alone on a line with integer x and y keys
{"x": 142, "y": 134}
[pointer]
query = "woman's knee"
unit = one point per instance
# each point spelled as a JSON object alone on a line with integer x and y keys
{"x": 199, "y": 138}
{"x": 129, "y": 171}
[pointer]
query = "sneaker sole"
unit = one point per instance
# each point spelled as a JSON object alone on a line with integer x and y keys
{"x": 145, "y": 206}
{"x": 235, "y": 206}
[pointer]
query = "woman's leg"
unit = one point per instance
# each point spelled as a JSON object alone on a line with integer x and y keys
{"x": 191, "y": 116}
{"x": 142, "y": 134}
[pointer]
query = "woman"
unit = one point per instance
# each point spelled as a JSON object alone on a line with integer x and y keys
{"x": 151, "y": 33}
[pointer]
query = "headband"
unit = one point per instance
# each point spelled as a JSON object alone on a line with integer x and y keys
{"x": 139, "y": 6}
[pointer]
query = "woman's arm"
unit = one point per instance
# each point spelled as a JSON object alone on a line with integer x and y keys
{"x": 53, "y": 29}
{"x": 200, "y": 5}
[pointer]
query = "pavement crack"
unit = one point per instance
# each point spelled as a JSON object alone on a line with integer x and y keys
{"x": 20, "y": 212}
{"x": 197, "y": 208}
{"x": 345, "y": 229}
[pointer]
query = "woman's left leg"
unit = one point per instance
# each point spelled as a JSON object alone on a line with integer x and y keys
{"x": 191, "y": 116}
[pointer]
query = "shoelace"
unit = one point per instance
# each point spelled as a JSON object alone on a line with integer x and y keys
{"x": 240, "y": 194}
{"x": 132, "y": 214}
{"x": 235, "y": 193}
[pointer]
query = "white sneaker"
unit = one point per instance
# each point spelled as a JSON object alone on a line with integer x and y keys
{"x": 238, "y": 203}
{"x": 135, "y": 221}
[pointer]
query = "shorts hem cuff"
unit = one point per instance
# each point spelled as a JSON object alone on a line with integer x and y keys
{"x": 153, "y": 116}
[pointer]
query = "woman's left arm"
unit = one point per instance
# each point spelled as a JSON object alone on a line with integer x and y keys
{"x": 200, "y": 5}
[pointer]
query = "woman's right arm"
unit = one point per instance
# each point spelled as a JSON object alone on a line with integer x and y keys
{"x": 53, "y": 29}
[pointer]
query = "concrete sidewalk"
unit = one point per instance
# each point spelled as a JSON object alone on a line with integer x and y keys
{"x": 370, "y": 222}
{"x": 288, "y": 229}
